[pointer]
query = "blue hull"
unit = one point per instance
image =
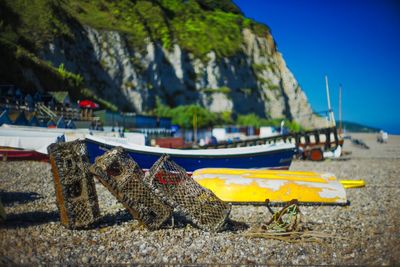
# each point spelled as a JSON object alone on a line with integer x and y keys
{"x": 279, "y": 159}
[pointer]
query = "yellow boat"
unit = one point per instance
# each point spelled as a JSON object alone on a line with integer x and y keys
{"x": 352, "y": 183}
{"x": 257, "y": 186}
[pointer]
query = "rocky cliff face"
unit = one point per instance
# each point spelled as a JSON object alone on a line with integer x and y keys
{"x": 256, "y": 80}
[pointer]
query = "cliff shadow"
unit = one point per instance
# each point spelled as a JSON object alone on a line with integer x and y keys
{"x": 245, "y": 103}
{"x": 79, "y": 56}
{"x": 162, "y": 74}
{"x": 286, "y": 110}
{"x": 238, "y": 75}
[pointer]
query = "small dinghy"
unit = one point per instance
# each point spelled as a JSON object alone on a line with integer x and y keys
{"x": 276, "y": 186}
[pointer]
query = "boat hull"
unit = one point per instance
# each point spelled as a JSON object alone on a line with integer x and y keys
{"x": 277, "y": 159}
{"x": 258, "y": 186}
{"x": 17, "y": 154}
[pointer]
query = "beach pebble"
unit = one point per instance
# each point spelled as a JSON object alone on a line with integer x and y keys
{"x": 364, "y": 233}
{"x": 85, "y": 260}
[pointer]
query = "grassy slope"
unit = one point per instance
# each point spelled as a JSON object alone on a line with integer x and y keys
{"x": 198, "y": 26}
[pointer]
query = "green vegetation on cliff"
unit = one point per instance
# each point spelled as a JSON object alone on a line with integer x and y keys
{"x": 198, "y": 26}
{"x": 184, "y": 115}
{"x": 17, "y": 63}
{"x": 254, "y": 120}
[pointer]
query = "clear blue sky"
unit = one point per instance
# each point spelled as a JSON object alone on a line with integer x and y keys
{"x": 355, "y": 42}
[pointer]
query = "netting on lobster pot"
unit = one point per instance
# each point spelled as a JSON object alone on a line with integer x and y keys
{"x": 75, "y": 188}
{"x": 122, "y": 176}
{"x": 174, "y": 186}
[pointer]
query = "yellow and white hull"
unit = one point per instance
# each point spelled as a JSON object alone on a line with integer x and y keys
{"x": 256, "y": 186}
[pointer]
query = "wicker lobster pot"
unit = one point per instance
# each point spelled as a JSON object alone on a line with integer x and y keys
{"x": 124, "y": 179}
{"x": 174, "y": 186}
{"x": 75, "y": 188}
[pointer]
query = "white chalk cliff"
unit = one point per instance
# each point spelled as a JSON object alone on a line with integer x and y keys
{"x": 254, "y": 80}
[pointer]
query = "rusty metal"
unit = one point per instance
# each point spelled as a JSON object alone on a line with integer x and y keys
{"x": 74, "y": 184}
{"x": 124, "y": 179}
{"x": 174, "y": 186}
{"x": 325, "y": 139}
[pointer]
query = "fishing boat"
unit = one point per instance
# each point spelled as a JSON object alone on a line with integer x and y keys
{"x": 276, "y": 156}
{"x": 9, "y": 153}
{"x": 71, "y": 134}
{"x": 28, "y": 140}
{"x": 30, "y": 143}
{"x": 258, "y": 186}
{"x": 17, "y": 144}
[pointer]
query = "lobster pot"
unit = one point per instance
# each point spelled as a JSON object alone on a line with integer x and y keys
{"x": 74, "y": 184}
{"x": 2, "y": 212}
{"x": 199, "y": 205}
{"x": 124, "y": 179}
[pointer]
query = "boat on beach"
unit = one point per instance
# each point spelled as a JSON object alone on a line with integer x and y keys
{"x": 30, "y": 143}
{"x": 9, "y": 153}
{"x": 32, "y": 140}
{"x": 258, "y": 186}
{"x": 17, "y": 144}
{"x": 72, "y": 134}
{"x": 271, "y": 156}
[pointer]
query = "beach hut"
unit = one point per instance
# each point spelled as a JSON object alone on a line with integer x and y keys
{"x": 31, "y": 118}
{"x": 37, "y": 97}
{"x": 61, "y": 123}
{"x": 42, "y": 123}
{"x": 29, "y": 102}
{"x": 34, "y": 121}
{"x": 71, "y": 124}
{"x": 51, "y": 124}
{"x": 19, "y": 118}
{"x": 4, "y": 119}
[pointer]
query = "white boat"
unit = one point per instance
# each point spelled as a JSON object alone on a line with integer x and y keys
{"x": 29, "y": 140}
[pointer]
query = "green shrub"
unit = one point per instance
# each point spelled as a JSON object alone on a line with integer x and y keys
{"x": 258, "y": 67}
{"x": 37, "y": 21}
{"x": 223, "y": 5}
{"x": 273, "y": 86}
{"x": 76, "y": 79}
{"x": 185, "y": 114}
{"x": 224, "y": 90}
{"x": 249, "y": 120}
{"x": 225, "y": 118}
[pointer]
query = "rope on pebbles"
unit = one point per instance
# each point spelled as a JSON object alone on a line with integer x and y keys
{"x": 286, "y": 225}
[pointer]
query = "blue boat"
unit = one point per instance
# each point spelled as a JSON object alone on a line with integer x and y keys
{"x": 271, "y": 156}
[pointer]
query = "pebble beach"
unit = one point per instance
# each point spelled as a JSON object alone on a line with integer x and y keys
{"x": 365, "y": 232}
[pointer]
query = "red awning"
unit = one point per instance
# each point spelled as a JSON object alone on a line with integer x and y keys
{"x": 88, "y": 104}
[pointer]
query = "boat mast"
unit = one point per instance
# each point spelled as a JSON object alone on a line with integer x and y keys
{"x": 331, "y": 117}
{"x": 340, "y": 109}
{"x": 195, "y": 127}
